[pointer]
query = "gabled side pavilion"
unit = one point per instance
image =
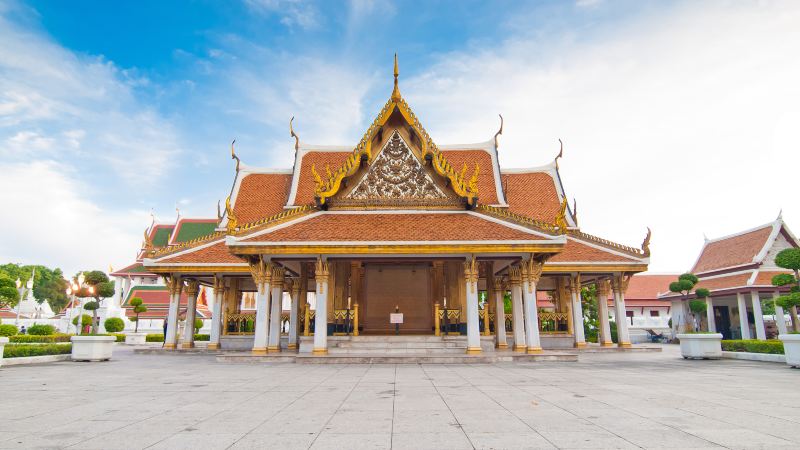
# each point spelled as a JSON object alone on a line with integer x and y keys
{"x": 397, "y": 224}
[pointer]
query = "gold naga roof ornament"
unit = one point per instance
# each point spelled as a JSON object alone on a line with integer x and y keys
{"x": 575, "y": 210}
{"x": 561, "y": 217}
{"x": 233, "y": 155}
{"x": 147, "y": 245}
{"x": 646, "y": 243}
{"x": 219, "y": 213}
{"x": 560, "y": 153}
{"x": 232, "y": 222}
{"x": 326, "y": 188}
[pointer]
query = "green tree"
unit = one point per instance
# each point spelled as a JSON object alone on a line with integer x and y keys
{"x": 686, "y": 282}
{"x": 9, "y": 295}
{"x": 591, "y": 322}
{"x": 98, "y": 287}
{"x": 198, "y": 323}
{"x": 86, "y": 320}
{"x": 48, "y": 284}
{"x": 138, "y": 308}
{"x": 789, "y": 259}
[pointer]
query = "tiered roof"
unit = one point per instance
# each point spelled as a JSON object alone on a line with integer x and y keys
{"x": 156, "y": 299}
{"x": 308, "y": 204}
{"x": 742, "y": 261}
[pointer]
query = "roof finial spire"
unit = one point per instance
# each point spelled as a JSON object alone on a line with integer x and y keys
{"x": 780, "y": 214}
{"x": 396, "y": 90}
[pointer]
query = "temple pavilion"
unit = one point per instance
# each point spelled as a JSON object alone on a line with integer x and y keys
{"x": 395, "y": 236}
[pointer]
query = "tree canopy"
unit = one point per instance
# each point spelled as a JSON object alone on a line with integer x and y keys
{"x": 9, "y": 295}
{"x": 48, "y": 284}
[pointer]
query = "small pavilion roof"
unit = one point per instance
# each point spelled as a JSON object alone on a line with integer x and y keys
{"x": 156, "y": 299}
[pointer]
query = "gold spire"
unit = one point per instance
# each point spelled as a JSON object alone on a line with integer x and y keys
{"x": 396, "y": 90}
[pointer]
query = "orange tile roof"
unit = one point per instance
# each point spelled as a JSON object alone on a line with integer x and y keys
{"x": 730, "y": 281}
{"x": 394, "y": 227}
{"x": 765, "y": 278}
{"x": 733, "y": 251}
{"x": 532, "y": 194}
{"x": 647, "y": 287}
{"x": 487, "y": 190}
{"x": 305, "y": 182}
{"x": 216, "y": 253}
{"x": 261, "y": 195}
{"x": 575, "y": 251}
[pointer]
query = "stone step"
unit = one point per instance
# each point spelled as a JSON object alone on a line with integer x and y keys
{"x": 486, "y": 358}
{"x": 394, "y": 338}
{"x": 396, "y": 351}
{"x": 385, "y": 345}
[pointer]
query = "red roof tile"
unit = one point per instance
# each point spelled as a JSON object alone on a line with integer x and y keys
{"x": 394, "y": 227}
{"x": 733, "y": 251}
{"x": 261, "y": 195}
{"x": 215, "y": 253}
{"x": 724, "y": 282}
{"x": 575, "y": 251}
{"x": 305, "y": 183}
{"x": 646, "y": 287}
{"x": 532, "y": 194}
{"x": 487, "y": 190}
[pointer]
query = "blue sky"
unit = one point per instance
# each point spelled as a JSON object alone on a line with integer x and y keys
{"x": 673, "y": 113}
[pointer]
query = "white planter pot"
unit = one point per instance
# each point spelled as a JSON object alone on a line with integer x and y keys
{"x": 92, "y": 348}
{"x": 3, "y": 342}
{"x": 791, "y": 348}
{"x": 701, "y": 346}
{"x": 136, "y": 338}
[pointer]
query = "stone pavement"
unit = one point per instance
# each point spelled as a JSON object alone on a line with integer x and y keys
{"x": 611, "y": 400}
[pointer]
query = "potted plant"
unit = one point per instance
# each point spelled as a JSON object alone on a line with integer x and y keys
{"x": 93, "y": 347}
{"x": 86, "y": 322}
{"x": 695, "y": 344}
{"x": 136, "y": 338}
{"x": 790, "y": 259}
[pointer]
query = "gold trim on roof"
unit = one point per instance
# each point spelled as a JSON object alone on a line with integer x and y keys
{"x": 327, "y": 187}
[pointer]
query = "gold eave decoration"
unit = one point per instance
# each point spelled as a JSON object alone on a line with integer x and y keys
{"x": 327, "y": 186}
{"x": 373, "y": 249}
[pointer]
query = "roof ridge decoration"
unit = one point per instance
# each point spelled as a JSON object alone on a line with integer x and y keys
{"x": 504, "y": 213}
{"x": 327, "y": 187}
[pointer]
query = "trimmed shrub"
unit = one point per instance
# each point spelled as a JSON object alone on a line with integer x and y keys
{"x": 86, "y": 320}
{"x": 41, "y": 330}
{"x": 198, "y": 323}
{"x": 8, "y": 330}
{"x": 114, "y": 325}
{"x": 202, "y": 337}
{"x": 28, "y": 339}
{"x": 23, "y": 350}
{"x": 772, "y": 346}
{"x": 154, "y": 338}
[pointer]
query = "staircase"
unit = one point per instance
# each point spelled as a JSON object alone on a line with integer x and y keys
{"x": 409, "y": 345}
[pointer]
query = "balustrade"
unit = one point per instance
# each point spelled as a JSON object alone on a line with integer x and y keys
{"x": 553, "y": 322}
{"x": 240, "y": 323}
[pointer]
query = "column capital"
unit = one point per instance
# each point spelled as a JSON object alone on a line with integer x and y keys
{"x": 192, "y": 287}
{"x": 262, "y": 274}
{"x": 514, "y": 275}
{"x": 498, "y": 284}
{"x": 531, "y": 272}
{"x": 219, "y": 284}
{"x": 620, "y": 282}
{"x": 575, "y": 284}
{"x": 278, "y": 274}
{"x": 295, "y": 285}
{"x": 321, "y": 270}
{"x": 603, "y": 288}
{"x": 174, "y": 284}
{"x": 471, "y": 273}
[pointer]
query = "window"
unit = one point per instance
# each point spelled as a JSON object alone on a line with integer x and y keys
{"x": 655, "y": 313}
{"x": 629, "y": 315}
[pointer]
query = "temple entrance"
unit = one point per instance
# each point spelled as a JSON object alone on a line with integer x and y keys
{"x": 407, "y": 286}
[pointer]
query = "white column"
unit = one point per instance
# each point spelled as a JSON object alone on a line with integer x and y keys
{"x": 191, "y": 313}
{"x": 577, "y": 311}
{"x": 321, "y": 318}
{"x": 780, "y": 315}
{"x": 531, "y": 271}
{"x": 758, "y": 316}
{"x": 500, "y": 314}
{"x": 473, "y": 328}
{"x": 517, "y": 317}
{"x": 293, "y": 314}
{"x": 171, "y": 339}
{"x": 745, "y": 326}
{"x": 712, "y": 324}
{"x": 604, "y": 333}
{"x": 276, "y": 301}
{"x": 619, "y": 287}
{"x": 262, "y": 275}
{"x": 216, "y": 313}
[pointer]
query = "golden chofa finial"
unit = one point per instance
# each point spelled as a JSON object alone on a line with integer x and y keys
{"x": 396, "y": 90}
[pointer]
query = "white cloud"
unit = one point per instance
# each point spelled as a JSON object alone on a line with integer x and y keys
{"x": 49, "y": 220}
{"x": 293, "y": 13}
{"x": 684, "y": 120}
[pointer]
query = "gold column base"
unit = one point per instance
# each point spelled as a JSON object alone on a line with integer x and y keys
{"x": 473, "y": 350}
{"x": 502, "y": 345}
{"x": 187, "y": 345}
{"x": 534, "y": 350}
{"x": 213, "y": 346}
{"x": 624, "y": 345}
{"x": 260, "y": 351}
{"x": 291, "y": 346}
{"x": 320, "y": 351}
{"x": 273, "y": 348}
{"x": 520, "y": 348}
{"x": 607, "y": 344}
{"x": 580, "y": 345}
{"x": 169, "y": 346}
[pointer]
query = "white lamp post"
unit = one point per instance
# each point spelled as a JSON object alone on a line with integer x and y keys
{"x": 75, "y": 289}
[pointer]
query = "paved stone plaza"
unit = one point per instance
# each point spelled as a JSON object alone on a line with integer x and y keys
{"x": 616, "y": 400}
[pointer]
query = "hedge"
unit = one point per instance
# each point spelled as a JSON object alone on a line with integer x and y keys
{"x": 23, "y": 350}
{"x": 772, "y": 346}
{"x": 120, "y": 336}
{"x": 28, "y": 339}
{"x": 8, "y": 330}
{"x": 160, "y": 337}
{"x": 41, "y": 330}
